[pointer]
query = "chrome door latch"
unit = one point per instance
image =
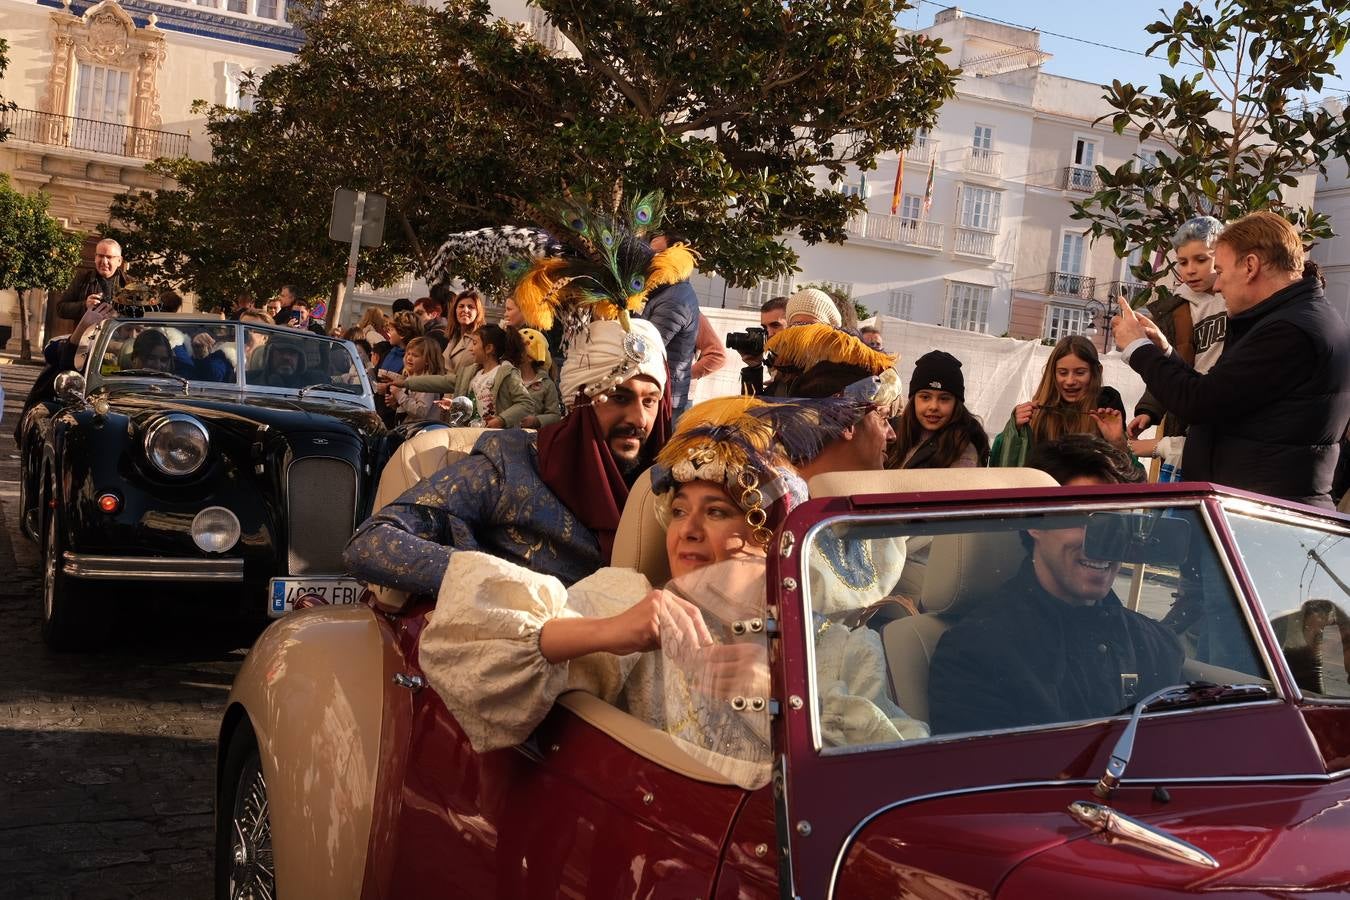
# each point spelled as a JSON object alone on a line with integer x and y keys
{"x": 413, "y": 683}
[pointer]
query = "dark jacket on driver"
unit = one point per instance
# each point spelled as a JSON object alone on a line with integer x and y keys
{"x": 1023, "y": 657}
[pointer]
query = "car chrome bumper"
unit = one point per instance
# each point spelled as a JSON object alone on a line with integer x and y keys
{"x": 138, "y": 568}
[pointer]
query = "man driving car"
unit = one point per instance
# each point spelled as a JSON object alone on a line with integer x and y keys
{"x": 1054, "y": 643}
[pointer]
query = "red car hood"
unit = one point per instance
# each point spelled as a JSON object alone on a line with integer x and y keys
{"x": 1268, "y": 840}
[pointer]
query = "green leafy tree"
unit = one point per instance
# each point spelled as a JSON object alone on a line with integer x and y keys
{"x": 1237, "y": 136}
{"x": 5, "y": 105}
{"x": 35, "y": 252}
{"x": 462, "y": 119}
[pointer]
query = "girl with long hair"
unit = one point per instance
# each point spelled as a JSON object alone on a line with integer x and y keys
{"x": 1070, "y": 399}
{"x": 420, "y": 357}
{"x": 935, "y": 430}
{"x": 466, "y": 317}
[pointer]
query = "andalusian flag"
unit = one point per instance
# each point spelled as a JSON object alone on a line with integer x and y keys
{"x": 899, "y": 178}
{"x": 928, "y": 189}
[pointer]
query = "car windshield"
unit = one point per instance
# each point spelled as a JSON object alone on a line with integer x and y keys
{"x": 1301, "y": 569}
{"x": 300, "y": 361}
{"x": 195, "y": 352}
{"x": 1006, "y": 621}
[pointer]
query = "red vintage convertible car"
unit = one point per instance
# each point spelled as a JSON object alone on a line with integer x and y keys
{"x": 342, "y": 775}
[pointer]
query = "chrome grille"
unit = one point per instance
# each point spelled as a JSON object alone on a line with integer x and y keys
{"x": 320, "y": 514}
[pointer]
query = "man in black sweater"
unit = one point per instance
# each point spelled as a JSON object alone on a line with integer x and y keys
{"x": 1270, "y": 413}
{"x": 99, "y": 285}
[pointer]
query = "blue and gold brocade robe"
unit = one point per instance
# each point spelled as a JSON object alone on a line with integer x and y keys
{"x": 492, "y": 500}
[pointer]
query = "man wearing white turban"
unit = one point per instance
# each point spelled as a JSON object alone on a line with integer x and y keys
{"x": 549, "y": 501}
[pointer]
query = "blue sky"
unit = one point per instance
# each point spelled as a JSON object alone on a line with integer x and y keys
{"x": 1118, "y": 23}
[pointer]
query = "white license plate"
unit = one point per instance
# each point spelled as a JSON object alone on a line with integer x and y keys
{"x": 284, "y": 593}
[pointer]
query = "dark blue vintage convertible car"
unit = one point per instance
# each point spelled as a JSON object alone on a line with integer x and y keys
{"x": 188, "y": 452}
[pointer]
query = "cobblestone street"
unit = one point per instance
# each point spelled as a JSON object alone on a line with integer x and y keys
{"x": 106, "y": 759}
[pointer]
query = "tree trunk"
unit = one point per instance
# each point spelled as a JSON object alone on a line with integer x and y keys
{"x": 25, "y": 344}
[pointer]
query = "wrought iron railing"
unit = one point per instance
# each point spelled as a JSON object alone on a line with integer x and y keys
{"x": 1130, "y": 290}
{"x": 1070, "y": 284}
{"x": 89, "y": 134}
{"x": 1080, "y": 178}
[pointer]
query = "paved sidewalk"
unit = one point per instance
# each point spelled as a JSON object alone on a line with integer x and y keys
{"x": 106, "y": 759}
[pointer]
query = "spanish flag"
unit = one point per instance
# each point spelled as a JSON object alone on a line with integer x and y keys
{"x": 899, "y": 179}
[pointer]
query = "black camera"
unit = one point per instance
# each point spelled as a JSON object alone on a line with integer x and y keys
{"x": 749, "y": 342}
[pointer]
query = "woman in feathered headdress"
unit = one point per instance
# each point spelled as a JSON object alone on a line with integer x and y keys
{"x": 723, "y": 485}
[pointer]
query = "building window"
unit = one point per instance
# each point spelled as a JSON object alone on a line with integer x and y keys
{"x": 1146, "y": 159}
{"x": 1062, "y": 321}
{"x": 1084, "y": 153}
{"x": 237, "y": 95}
{"x": 861, "y": 190}
{"x": 268, "y": 9}
{"x": 911, "y": 208}
{"x": 211, "y": 3}
{"x": 984, "y": 138}
{"x": 968, "y": 306}
{"x": 900, "y": 304}
{"x": 237, "y": 6}
{"x": 980, "y": 208}
{"x": 767, "y": 289}
{"x": 103, "y": 98}
{"x": 1071, "y": 254}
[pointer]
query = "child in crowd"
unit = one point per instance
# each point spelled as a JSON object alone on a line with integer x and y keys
{"x": 935, "y": 430}
{"x": 1195, "y": 321}
{"x": 498, "y": 394}
{"x": 420, "y": 357}
{"x": 534, "y": 363}
{"x": 1070, "y": 399}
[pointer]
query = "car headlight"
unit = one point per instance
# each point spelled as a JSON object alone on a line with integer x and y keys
{"x": 215, "y": 529}
{"x": 176, "y": 444}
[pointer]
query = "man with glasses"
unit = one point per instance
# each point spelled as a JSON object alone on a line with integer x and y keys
{"x": 99, "y": 285}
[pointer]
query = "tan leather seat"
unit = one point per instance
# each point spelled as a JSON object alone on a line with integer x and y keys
{"x": 421, "y": 456}
{"x": 958, "y": 569}
{"x": 640, "y": 542}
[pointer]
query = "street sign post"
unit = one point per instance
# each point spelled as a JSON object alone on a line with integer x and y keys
{"x": 357, "y": 216}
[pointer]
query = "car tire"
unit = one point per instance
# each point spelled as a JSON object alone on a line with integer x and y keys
{"x": 244, "y": 863}
{"x": 70, "y": 620}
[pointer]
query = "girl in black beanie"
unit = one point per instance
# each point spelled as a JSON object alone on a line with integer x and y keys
{"x": 935, "y": 430}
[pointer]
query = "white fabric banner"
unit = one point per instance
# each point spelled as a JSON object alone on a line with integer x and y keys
{"x": 999, "y": 372}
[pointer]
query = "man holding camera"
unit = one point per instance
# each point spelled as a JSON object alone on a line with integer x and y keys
{"x": 750, "y": 343}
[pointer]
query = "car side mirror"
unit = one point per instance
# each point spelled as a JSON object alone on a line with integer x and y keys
{"x": 69, "y": 386}
{"x": 1151, "y": 538}
{"x": 461, "y": 411}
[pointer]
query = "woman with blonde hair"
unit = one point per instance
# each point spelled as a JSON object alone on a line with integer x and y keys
{"x": 1070, "y": 399}
{"x": 466, "y": 317}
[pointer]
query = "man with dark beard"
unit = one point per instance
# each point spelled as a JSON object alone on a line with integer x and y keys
{"x": 551, "y": 501}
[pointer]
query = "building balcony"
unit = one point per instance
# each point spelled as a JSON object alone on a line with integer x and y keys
{"x": 1080, "y": 178}
{"x": 922, "y": 151}
{"x": 1070, "y": 284}
{"x": 983, "y": 162}
{"x": 974, "y": 242}
{"x": 896, "y": 230}
{"x": 87, "y": 134}
{"x": 1130, "y": 290}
